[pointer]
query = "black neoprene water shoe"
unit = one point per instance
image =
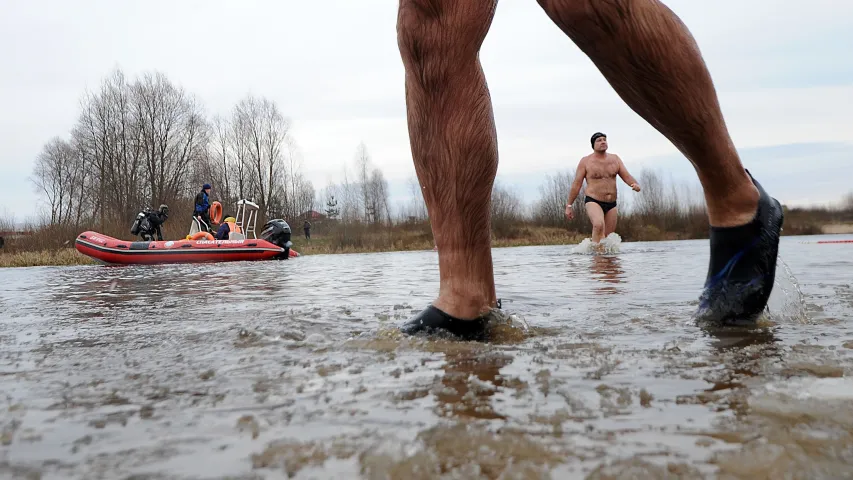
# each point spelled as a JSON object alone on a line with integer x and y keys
{"x": 432, "y": 320}
{"x": 742, "y": 267}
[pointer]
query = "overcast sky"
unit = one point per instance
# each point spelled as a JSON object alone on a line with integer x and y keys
{"x": 783, "y": 70}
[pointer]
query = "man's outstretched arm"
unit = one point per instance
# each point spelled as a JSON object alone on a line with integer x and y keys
{"x": 627, "y": 177}
{"x": 580, "y": 175}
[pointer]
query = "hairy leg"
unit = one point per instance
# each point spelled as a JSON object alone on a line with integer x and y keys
{"x": 610, "y": 221}
{"x": 596, "y": 218}
{"x": 647, "y": 54}
{"x": 650, "y": 59}
{"x": 453, "y": 141}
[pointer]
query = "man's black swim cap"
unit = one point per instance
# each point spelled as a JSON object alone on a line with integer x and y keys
{"x": 595, "y": 136}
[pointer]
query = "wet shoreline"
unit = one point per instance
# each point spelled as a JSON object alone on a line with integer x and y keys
{"x": 70, "y": 257}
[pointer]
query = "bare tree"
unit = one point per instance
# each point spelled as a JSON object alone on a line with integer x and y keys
{"x": 550, "y": 210}
{"x": 146, "y": 141}
{"x": 847, "y": 202}
{"x": 172, "y": 133}
{"x": 367, "y": 197}
{"x": 109, "y": 137}
{"x": 506, "y": 204}
{"x": 221, "y": 157}
{"x": 362, "y": 166}
{"x": 415, "y": 210}
{"x": 81, "y": 182}
{"x": 377, "y": 198}
{"x": 138, "y": 142}
{"x": 305, "y": 196}
{"x": 293, "y": 181}
{"x": 506, "y": 210}
{"x": 265, "y": 130}
{"x": 349, "y": 197}
{"x": 240, "y": 163}
{"x": 49, "y": 175}
{"x": 124, "y": 143}
{"x": 298, "y": 195}
{"x": 655, "y": 206}
{"x": 7, "y": 221}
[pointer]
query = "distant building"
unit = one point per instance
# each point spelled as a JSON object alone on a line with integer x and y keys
{"x": 313, "y": 215}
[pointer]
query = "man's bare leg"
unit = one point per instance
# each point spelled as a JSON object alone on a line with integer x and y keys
{"x": 596, "y": 218}
{"x": 648, "y": 56}
{"x": 651, "y": 60}
{"x": 610, "y": 221}
{"x": 454, "y": 148}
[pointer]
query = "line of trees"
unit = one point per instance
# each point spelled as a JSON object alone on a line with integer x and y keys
{"x": 252, "y": 155}
{"x": 362, "y": 196}
{"x": 662, "y": 207}
{"x": 146, "y": 141}
{"x": 360, "y": 201}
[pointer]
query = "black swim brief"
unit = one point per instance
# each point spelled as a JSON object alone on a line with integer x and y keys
{"x": 605, "y": 206}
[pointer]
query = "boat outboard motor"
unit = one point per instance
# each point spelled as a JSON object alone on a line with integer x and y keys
{"x": 277, "y": 232}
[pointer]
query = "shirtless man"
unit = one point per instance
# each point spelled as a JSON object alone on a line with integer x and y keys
{"x": 599, "y": 169}
{"x": 653, "y": 63}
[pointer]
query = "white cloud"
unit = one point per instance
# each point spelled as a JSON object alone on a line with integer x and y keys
{"x": 334, "y": 68}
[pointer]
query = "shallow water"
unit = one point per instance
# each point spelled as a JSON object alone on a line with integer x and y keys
{"x": 294, "y": 370}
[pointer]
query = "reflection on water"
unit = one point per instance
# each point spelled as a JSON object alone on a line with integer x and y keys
{"x": 734, "y": 338}
{"x": 607, "y": 269}
{"x": 295, "y": 369}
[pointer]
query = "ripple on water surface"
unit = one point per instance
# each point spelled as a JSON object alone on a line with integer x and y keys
{"x": 294, "y": 368}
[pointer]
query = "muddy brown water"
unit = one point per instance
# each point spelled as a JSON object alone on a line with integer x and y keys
{"x": 294, "y": 370}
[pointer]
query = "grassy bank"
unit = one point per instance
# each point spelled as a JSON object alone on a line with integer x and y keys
{"x": 61, "y": 257}
{"x": 401, "y": 239}
{"x": 318, "y": 245}
{"x": 360, "y": 239}
{"x": 660, "y": 216}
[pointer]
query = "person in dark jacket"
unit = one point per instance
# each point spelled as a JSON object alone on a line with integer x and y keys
{"x": 152, "y": 221}
{"x": 202, "y": 207}
{"x": 228, "y": 225}
{"x": 307, "y": 228}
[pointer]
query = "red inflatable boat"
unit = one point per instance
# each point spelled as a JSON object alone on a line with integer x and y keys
{"x": 112, "y": 250}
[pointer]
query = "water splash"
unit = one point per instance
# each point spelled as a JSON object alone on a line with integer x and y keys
{"x": 608, "y": 245}
{"x": 507, "y": 327}
{"x": 786, "y": 302}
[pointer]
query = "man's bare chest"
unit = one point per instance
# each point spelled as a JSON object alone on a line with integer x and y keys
{"x": 601, "y": 169}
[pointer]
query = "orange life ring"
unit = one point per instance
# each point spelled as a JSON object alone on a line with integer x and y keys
{"x": 216, "y": 212}
{"x": 200, "y": 235}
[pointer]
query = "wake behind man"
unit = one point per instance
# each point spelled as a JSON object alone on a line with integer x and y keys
{"x": 600, "y": 169}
